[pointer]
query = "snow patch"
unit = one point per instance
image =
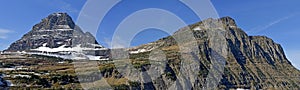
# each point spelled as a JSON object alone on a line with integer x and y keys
{"x": 242, "y": 89}
{"x": 59, "y": 42}
{"x": 47, "y": 49}
{"x": 53, "y": 30}
{"x": 95, "y": 45}
{"x": 232, "y": 26}
{"x": 74, "y": 53}
{"x": 64, "y": 27}
{"x": 138, "y": 51}
{"x": 197, "y": 28}
{"x": 57, "y": 14}
{"x": 45, "y": 44}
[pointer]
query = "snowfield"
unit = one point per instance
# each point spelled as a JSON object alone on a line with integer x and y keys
{"x": 74, "y": 53}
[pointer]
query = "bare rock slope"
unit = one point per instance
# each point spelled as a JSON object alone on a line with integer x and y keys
{"x": 251, "y": 62}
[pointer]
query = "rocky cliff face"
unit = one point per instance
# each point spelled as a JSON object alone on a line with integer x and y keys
{"x": 250, "y": 62}
{"x": 53, "y": 31}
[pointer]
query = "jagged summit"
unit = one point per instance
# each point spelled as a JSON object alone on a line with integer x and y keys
{"x": 57, "y": 33}
{"x": 53, "y": 31}
{"x": 228, "y": 21}
{"x": 212, "y": 23}
{"x": 55, "y": 21}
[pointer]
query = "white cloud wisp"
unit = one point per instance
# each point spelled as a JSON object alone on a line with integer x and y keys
{"x": 4, "y": 32}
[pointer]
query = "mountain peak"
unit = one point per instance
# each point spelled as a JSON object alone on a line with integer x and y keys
{"x": 59, "y": 14}
{"x": 54, "y": 31}
{"x": 55, "y": 21}
{"x": 213, "y": 23}
{"x": 228, "y": 21}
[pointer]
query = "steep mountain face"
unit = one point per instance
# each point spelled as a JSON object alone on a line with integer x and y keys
{"x": 58, "y": 36}
{"x": 53, "y": 31}
{"x": 251, "y": 62}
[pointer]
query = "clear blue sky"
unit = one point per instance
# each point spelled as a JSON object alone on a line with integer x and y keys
{"x": 277, "y": 19}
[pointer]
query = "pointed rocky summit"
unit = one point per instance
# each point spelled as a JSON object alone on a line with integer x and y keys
{"x": 56, "y": 33}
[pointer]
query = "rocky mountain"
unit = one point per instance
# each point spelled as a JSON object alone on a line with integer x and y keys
{"x": 57, "y": 33}
{"x": 237, "y": 60}
{"x": 55, "y": 30}
{"x": 211, "y": 54}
